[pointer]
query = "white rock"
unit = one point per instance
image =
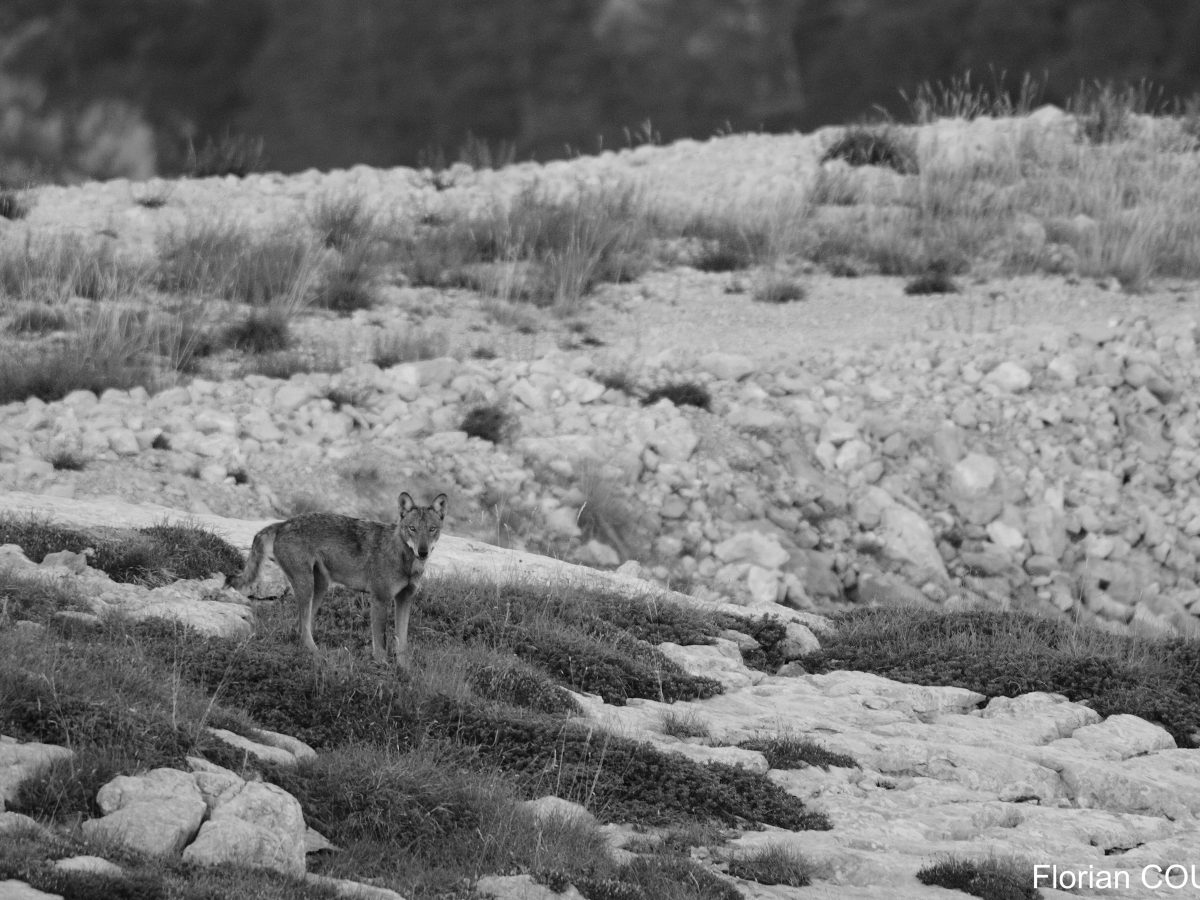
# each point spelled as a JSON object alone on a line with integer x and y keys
{"x": 755, "y": 547}
{"x": 254, "y": 823}
{"x": 763, "y": 585}
{"x": 726, "y": 366}
{"x": 552, "y": 807}
{"x": 1010, "y": 377}
{"x": 156, "y": 813}
{"x": 1005, "y": 535}
{"x": 908, "y": 538}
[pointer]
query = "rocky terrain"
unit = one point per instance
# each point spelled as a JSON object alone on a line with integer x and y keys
{"x": 1029, "y": 444}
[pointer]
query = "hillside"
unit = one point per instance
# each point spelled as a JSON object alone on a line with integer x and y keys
{"x": 888, "y": 431}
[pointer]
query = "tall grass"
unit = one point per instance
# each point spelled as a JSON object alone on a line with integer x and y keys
{"x": 55, "y": 269}
{"x": 108, "y": 347}
{"x": 222, "y": 259}
{"x": 1139, "y": 196}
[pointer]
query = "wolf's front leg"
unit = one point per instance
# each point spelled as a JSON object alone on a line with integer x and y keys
{"x": 401, "y": 610}
{"x": 379, "y": 612}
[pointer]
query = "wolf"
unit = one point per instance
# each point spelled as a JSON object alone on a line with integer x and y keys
{"x": 316, "y": 549}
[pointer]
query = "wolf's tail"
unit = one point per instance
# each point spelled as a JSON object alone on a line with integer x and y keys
{"x": 262, "y": 547}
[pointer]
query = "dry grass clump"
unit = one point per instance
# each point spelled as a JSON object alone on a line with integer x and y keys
{"x": 230, "y": 154}
{"x": 341, "y": 221}
{"x": 58, "y": 268}
{"x": 224, "y": 260}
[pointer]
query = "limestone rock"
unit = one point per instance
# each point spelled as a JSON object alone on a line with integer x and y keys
{"x": 908, "y": 539}
{"x": 752, "y": 547}
{"x": 156, "y": 813}
{"x": 253, "y": 823}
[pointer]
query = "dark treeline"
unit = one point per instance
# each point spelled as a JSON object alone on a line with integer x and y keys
{"x": 330, "y": 83}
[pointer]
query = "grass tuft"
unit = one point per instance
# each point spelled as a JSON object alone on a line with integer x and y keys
{"x": 341, "y": 222}
{"x": 991, "y": 879}
{"x": 772, "y": 864}
{"x": 779, "y": 289}
{"x": 230, "y": 154}
{"x": 791, "y": 752}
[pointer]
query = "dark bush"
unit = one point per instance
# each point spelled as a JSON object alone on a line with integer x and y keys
{"x": 681, "y": 393}
{"x": 489, "y": 423}
{"x": 263, "y": 331}
{"x": 238, "y": 155}
{"x": 877, "y": 145}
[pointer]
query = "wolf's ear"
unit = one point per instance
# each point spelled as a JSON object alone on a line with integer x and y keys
{"x": 406, "y": 503}
{"x": 439, "y": 505}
